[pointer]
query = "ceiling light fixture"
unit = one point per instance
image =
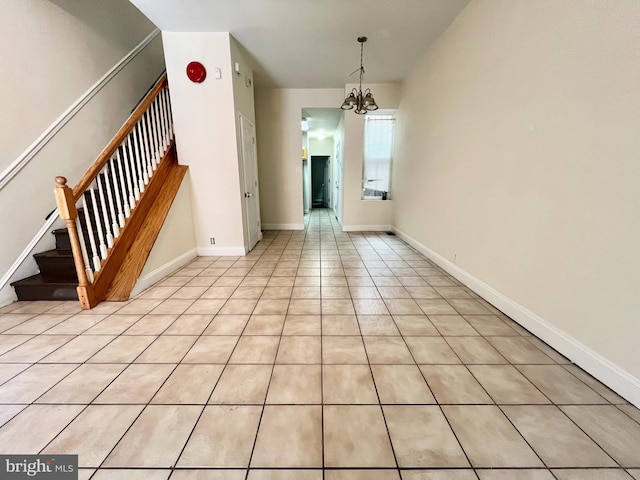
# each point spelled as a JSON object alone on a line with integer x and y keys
{"x": 363, "y": 102}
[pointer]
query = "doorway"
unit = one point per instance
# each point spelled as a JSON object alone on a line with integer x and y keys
{"x": 319, "y": 181}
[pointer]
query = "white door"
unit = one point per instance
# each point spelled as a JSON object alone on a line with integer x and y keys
{"x": 251, "y": 193}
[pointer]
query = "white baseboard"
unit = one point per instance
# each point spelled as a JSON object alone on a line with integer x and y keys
{"x": 7, "y": 296}
{"x": 619, "y": 380}
{"x": 159, "y": 273}
{"x": 283, "y": 226}
{"x": 221, "y": 251}
{"x": 366, "y": 228}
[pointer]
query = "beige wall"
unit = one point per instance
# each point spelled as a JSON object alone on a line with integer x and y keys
{"x": 204, "y": 117}
{"x": 44, "y": 73}
{"x": 359, "y": 214}
{"x": 278, "y": 115}
{"x": 517, "y": 164}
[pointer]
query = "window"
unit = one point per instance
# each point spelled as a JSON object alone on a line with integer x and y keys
{"x": 378, "y": 149}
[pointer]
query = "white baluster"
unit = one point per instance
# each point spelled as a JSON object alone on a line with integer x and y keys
{"x": 163, "y": 116}
{"x": 94, "y": 250}
{"x": 83, "y": 248}
{"x": 96, "y": 216}
{"x": 154, "y": 134}
{"x": 105, "y": 213}
{"x": 134, "y": 193}
{"x": 152, "y": 155}
{"x": 135, "y": 174}
{"x": 145, "y": 144}
{"x": 126, "y": 198}
{"x": 144, "y": 177}
{"x": 119, "y": 199}
{"x": 156, "y": 107}
{"x": 170, "y": 113}
{"x": 112, "y": 209}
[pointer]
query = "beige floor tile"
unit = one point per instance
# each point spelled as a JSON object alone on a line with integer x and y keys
{"x": 289, "y": 436}
{"x": 475, "y": 350}
{"x": 189, "y": 325}
{"x": 387, "y": 350}
{"x": 335, "y": 292}
{"x": 43, "y": 422}
{"x": 360, "y": 278}
{"x": 559, "y": 385}
{"x": 431, "y": 350}
{"x": 255, "y": 349}
{"x": 223, "y": 437}
{"x": 242, "y": 384}
{"x": 189, "y": 384}
{"x": 295, "y": 384}
{"x": 10, "y": 370}
{"x": 519, "y": 350}
{"x": 407, "y": 426}
{"x": 284, "y": 475}
{"x": 172, "y": 306}
{"x": 152, "y": 324}
{"x": 488, "y": 438}
{"x": 363, "y": 292}
{"x": 415, "y": 325}
{"x": 305, "y": 292}
{"x": 453, "y": 384}
{"x": 271, "y": 307}
{"x": 78, "y": 350}
{"x": 156, "y": 438}
{"x": 394, "y": 292}
{"x": 548, "y": 351}
{"x": 227, "y": 325}
{"x": 595, "y": 385}
{"x": 616, "y": 433}
{"x": 83, "y": 384}
{"x": 338, "y": 306}
{"x": 304, "y": 281}
{"x": 490, "y": 326}
{"x": 213, "y": 306}
{"x": 304, "y": 307}
{"x": 137, "y": 384}
{"x": 528, "y": 474}
{"x": 273, "y": 291}
{"x": 302, "y": 325}
{"x": 401, "y": 306}
{"x": 340, "y": 325}
{"x": 466, "y": 474}
{"x": 140, "y": 306}
{"x": 123, "y": 349}
{"x": 452, "y": 325}
{"x": 468, "y": 306}
{"x": 381, "y": 474}
{"x": 599, "y": 474}
{"x": 76, "y": 325}
{"x": 377, "y": 325}
{"x": 33, "y": 382}
{"x": 217, "y": 292}
{"x": 210, "y": 349}
{"x": 401, "y": 384}
{"x": 348, "y": 384}
{"x": 506, "y": 385}
{"x": 236, "y": 307}
{"x": 130, "y": 474}
{"x": 94, "y": 433}
{"x": 247, "y": 292}
{"x": 113, "y": 325}
{"x": 38, "y": 324}
{"x": 35, "y": 349}
{"x": 218, "y": 474}
{"x": 264, "y": 325}
{"x": 635, "y": 473}
{"x": 299, "y": 349}
{"x": 369, "y": 306}
{"x": 7, "y": 412}
{"x": 9, "y": 342}
{"x": 356, "y": 436}
{"x": 167, "y": 349}
{"x": 435, "y": 306}
{"x": 555, "y": 438}
{"x": 343, "y": 350}
{"x": 631, "y": 411}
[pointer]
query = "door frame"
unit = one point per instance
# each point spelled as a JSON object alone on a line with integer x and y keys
{"x": 250, "y": 189}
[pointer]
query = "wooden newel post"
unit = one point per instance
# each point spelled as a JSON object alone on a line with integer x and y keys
{"x": 69, "y": 213}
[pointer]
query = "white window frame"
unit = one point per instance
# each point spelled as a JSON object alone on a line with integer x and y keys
{"x": 368, "y": 193}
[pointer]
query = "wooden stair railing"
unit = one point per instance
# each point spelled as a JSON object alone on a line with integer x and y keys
{"x": 116, "y": 210}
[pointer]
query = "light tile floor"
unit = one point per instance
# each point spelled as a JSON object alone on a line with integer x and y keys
{"x": 320, "y": 355}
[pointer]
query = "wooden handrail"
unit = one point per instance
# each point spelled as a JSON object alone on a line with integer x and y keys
{"x": 117, "y": 140}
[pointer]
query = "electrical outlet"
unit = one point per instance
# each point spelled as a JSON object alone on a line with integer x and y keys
{"x": 213, "y": 240}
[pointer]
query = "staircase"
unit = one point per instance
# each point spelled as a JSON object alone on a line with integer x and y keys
{"x": 57, "y": 279}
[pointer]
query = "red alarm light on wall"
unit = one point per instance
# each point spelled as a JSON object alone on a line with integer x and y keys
{"x": 196, "y": 72}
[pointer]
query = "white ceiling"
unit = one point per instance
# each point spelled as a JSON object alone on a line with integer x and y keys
{"x": 322, "y": 121}
{"x": 312, "y": 43}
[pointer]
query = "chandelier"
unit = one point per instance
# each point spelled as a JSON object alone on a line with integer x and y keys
{"x": 363, "y": 102}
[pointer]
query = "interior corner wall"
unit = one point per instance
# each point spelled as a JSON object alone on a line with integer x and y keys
{"x": 517, "y": 169}
{"x": 359, "y": 214}
{"x": 278, "y": 115}
{"x": 204, "y": 117}
{"x": 44, "y": 74}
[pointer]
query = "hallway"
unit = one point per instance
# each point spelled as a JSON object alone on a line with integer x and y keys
{"x": 320, "y": 355}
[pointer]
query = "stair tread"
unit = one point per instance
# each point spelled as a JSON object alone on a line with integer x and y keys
{"x": 40, "y": 280}
{"x": 54, "y": 254}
